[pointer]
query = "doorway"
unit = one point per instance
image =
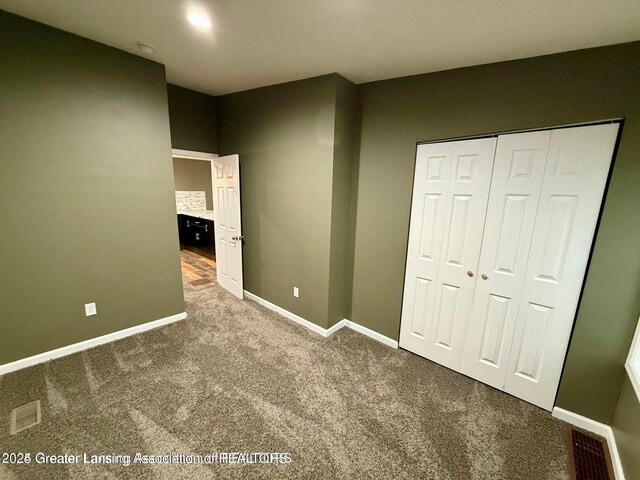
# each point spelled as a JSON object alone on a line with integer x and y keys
{"x": 192, "y": 172}
{"x": 208, "y": 207}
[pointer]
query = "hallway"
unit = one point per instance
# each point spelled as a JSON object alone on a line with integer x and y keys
{"x": 198, "y": 271}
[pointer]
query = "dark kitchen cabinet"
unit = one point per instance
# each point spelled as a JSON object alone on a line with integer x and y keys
{"x": 197, "y": 233}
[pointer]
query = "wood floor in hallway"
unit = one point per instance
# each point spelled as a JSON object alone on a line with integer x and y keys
{"x": 198, "y": 271}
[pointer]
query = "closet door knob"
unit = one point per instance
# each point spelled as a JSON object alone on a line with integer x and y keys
{"x": 484, "y": 276}
{"x": 470, "y": 273}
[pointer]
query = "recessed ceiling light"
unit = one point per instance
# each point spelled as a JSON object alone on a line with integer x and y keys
{"x": 199, "y": 20}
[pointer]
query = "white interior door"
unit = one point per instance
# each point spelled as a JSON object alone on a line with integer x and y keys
{"x": 574, "y": 182}
{"x": 228, "y": 223}
{"x": 513, "y": 203}
{"x": 451, "y": 188}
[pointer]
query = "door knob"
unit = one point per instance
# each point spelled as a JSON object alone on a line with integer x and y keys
{"x": 240, "y": 237}
{"x": 470, "y": 273}
{"x": 484, "y": 276}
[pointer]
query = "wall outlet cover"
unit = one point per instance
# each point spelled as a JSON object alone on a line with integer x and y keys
{"x": 296, "y": 292}
{"x": 90, "y": 309}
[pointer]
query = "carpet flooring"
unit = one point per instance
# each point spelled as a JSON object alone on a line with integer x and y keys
{"x": 236, "y": 377}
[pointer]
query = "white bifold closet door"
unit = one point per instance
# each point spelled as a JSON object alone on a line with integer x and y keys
{"x": 541, "y": 208}
{"x": 574, "y": 181}
{"x": 450, "y": 193}
{"x": 511, "y": 215}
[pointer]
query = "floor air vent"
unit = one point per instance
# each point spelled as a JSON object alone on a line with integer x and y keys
{"x": 25, "y": 416}
{"x": 588, "y": 457}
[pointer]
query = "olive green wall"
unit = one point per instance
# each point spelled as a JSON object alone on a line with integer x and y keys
{"x": 85, "y": 183}
{"x": 87, "y": 180}
{"x": 626, "y": 427}
{"x": 193, "y": 175}
{"x": 284, "y": 136}
{"x": 560, "y": 89}
{"x": 296, "y": 146}
{"x": 346, "y": 138}
{"x": 193, "y": 120}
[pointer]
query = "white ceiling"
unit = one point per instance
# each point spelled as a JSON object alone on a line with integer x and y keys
{"x": 263, "y": 42}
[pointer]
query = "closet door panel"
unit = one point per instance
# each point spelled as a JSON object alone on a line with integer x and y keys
{"x": 428, "y": 206}
{"x": 574, "y": 183}
{"x": 449, "y": 202}
{"x": 470, "y": 179}
{"x": 513, "y": 203}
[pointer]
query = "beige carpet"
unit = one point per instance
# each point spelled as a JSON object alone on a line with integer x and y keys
{"x": 236, "y": 377}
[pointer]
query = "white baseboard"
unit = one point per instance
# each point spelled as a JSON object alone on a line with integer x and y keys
{"x": 594, "y": 427}
{"x": 87, "y": 344}
{"x": 325, "y": 332}
{"x": 341, "y": 324}
{"x": 390, "y": 342}
{"x": 286, "y": 313}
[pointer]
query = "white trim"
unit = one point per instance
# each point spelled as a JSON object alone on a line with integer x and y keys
{"x": 207, "y": 157}
{"x": 633, "y": 362}
{"x": 192, "y": 155}
{"x": 390, "y": 342}
{"x": 341, "y": 324}
{"x": 286, "y": 313}
{"x": 318, "y": 329}
{"x": 525, "y": 130}
{"x": 581, "y": 422}
{"x": 594, "y": 427}
{"x": 87, "y": 344}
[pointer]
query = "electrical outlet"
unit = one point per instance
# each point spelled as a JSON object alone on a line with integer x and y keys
{"x": 90, "y": 309}
{"x": 296, "y": 292}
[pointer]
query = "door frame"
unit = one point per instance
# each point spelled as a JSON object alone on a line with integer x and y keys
{"x": 619, "y": 120}
{"x": 605, "y": 121}
{"x": 193, "y": 155}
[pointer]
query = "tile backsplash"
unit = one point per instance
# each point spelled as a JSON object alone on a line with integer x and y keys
{"x": 190, "y": 200}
